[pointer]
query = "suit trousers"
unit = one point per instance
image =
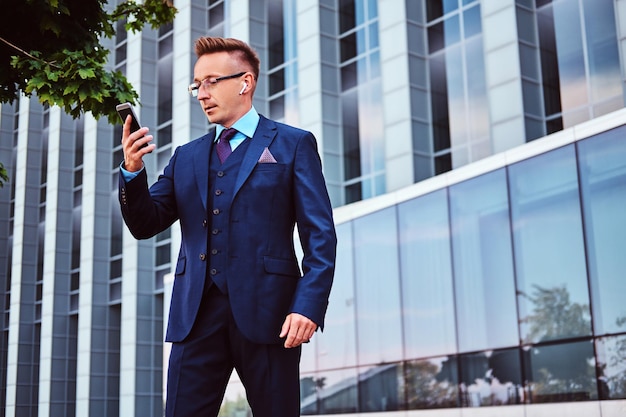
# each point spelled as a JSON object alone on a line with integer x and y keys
{"x": 200, "y": 367}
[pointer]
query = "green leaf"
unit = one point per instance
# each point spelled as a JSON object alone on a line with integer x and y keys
{"x": 86, "y": 73}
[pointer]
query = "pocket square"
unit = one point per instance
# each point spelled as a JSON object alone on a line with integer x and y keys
{"x": 267, "y": 157}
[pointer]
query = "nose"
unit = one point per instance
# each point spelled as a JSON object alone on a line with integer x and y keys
{"x": 202, "y": 93}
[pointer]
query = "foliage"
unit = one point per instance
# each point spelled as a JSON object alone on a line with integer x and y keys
{"x": 53, "y": 48}
{"x": 3, "y": 175}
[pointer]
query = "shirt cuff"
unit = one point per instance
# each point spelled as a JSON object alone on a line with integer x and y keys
{"x": 127, "y": 174}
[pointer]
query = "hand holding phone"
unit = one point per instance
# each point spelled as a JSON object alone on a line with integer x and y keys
{"x": 126, "y": 109}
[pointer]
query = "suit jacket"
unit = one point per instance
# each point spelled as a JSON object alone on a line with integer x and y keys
{"x": 264, "y": 279}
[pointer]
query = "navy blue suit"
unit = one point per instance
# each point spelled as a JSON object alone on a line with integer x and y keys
{"x": 240, "y": 238}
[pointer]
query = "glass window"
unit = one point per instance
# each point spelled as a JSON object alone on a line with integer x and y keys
{"x": 491, "y": 378}
{"x": 381, "y": 388}
{"x": 483, "y": 263}
{"x": 452, "y": 30}
{"x": 432, "y": 383}
{"x": 471, "y": 21}
{"x": 603, "y": 183}
{"x": 569, "y": 46}
{"x": 427, "y": 294}
{"x": 603, "y": 56}
{"x": 337, "y": 343}
{"x": 347, "y": 18}
{"x": 548, "y": 245}
{"x": 379, "y": 335}
{"x": 611, "y": 367}
{"x": 164, "y": 69}
{"x": 561, "y": 373}
{"x": 337, "y": 391}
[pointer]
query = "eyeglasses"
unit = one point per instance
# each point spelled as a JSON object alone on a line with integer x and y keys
{"x": 210, "y": 82}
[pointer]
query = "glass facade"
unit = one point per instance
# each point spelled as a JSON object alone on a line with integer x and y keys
{"x": 579, "y": 58}
{"x": 460, "y": 114}
{"x": 361, "y": 109}
{"x": 482, "y": 293}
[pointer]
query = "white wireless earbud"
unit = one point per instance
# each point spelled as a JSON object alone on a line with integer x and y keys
{"x": 243, "y": 88}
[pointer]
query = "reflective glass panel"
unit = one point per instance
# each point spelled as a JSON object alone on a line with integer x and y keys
{"x": 427, "y": 294}
{"x": 560, "y": 373}
{"x": 569, "y": 47}
{"x": 432, "y": 383}
{"x": 491, "y": 378}
{"x": 379, "y": 335}
{"x": 611, "y": 353}
{"x": 381, "y": 388}
{"x": 553, "y": 295}
{"x": 602, "y": 50}
{"x": 337, "y": 343}
{"x": 472, "y": 24}
{"x": 483, "y": 263}
{"x": 337, "y": 391}
{"x": 603, "y": 182}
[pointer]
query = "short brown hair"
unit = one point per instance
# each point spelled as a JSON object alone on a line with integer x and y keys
{"x": 237, "y": 48}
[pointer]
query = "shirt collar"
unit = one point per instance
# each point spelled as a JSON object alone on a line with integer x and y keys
{"x": 247, "y": 124}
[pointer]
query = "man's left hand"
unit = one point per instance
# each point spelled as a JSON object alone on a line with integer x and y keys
{"x": 298, "y": 329}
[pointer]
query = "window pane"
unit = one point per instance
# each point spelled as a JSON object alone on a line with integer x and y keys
{"x": 561, "y": 373}
{"x": 569, "y": 47}
{"x": 548, "y": 246}
{"x": 603, "y": 183}
{"x": 483, "y": 263}
{"x": 379, "y": 336}
{"x": 603, "y": 56}
{"x": 337, "y": 343}
{"x": 380, "y": 388}
{"x": 336, "y": 391}
{"x": 491, "y": 378}
{"x": 432, "y": 383}
{"x": 427, "y": 295}
{"x": 612, "y": 367}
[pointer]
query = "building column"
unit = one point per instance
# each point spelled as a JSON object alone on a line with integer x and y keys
{"x": 504, "y": 88}
{"x": 23, "y": 341}
{"x": 57, "y": 363}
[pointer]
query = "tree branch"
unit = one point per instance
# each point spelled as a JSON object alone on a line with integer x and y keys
{"x": 17, "y": 48}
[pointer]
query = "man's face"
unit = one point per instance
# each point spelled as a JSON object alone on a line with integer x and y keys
{"x": 221, "y": 101}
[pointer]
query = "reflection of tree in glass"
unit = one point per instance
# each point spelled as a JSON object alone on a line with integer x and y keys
{"x": 428, "y": 387}
{"x": 555, "y": 316}
{"x": 612, "y": 366}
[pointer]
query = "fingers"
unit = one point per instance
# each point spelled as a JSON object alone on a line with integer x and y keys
{"x": 135, "y": 145}
{"x": 298, "y": 329}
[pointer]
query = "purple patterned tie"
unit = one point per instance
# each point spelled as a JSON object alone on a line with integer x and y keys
{"x": 223, "y": 145}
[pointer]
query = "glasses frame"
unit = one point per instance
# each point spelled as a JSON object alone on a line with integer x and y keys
{"x": 210, "y": 82}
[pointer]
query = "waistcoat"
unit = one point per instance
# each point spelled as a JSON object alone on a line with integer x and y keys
{"x": 221, "y": 189}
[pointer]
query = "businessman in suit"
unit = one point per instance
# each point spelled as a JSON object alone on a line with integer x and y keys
{"x": 240, "y": 300}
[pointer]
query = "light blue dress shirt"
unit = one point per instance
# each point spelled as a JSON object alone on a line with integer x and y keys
{"x": 246, "y": 126}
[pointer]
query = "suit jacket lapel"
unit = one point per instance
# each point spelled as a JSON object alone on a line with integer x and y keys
{"x": 202, "y": 153}
{"x": 263, "y": 137}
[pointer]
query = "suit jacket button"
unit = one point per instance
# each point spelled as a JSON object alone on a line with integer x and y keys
{"x": 220, "y": 173}
{"x": 213, "y": 251}
{"x": 216, "y": 211}
{"x": 202, "y": 256}
{"x": 204, "y": 223}
{"x": 218, "y": 192}
{"x": 213, "y": 271}
{"x": 215, "y": 231}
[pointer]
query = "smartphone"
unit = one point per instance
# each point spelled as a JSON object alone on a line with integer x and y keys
{"x": 124, "y": 110}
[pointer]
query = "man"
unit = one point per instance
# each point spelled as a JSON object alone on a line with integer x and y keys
{"x": 239, "y": 300}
